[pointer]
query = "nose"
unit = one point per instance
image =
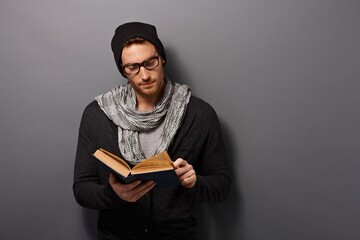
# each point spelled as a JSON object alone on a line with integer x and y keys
{"x": 144, "y": 73}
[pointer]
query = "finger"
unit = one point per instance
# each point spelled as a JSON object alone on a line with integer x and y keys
{"x": 141, "y": 190}
{"x": 133, "y": 185}
{"x": 187, "y": 177}
{"x": 187, "y": 174}
{"x": 144, "y": 187}
{"x": 179, "y": 162}
{"x": 183, "y": 169}
{"x": 121, "y": 188}
{"x": 189, "y": 182}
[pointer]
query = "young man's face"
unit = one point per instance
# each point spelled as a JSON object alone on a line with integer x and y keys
{"x": 146, "y": 83}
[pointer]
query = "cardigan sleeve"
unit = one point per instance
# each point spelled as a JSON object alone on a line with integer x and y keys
{"x": 88, "y": 190}
{"x": 213, "y": 180}
{"x": 199, "y": 142}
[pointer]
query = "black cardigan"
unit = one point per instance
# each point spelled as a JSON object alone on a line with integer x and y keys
{"x": 163, "y": 213}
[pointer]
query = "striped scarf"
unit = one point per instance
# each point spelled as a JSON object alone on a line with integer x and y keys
{"x": 119, "y": 104}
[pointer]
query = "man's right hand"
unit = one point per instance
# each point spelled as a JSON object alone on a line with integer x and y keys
{"x": 130, "y": 192}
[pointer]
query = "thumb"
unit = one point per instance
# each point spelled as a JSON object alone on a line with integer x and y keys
{"x": 112, "y": 178}
{"x": 178, "y": 163}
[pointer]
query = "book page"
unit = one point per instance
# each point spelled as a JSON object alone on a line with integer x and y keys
{"x": 151, "y": 169}
{"x": 112, "y": 161}
{"x": 158, "y": 162}
{"x": 116, "y": 158}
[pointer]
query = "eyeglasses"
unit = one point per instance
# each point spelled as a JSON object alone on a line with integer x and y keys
{"x": 134, "y": 68}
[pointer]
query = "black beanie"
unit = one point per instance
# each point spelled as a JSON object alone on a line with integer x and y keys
{"x": 128, "y": 31}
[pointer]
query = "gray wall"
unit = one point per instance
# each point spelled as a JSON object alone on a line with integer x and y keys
{"x": 283, "y": 76}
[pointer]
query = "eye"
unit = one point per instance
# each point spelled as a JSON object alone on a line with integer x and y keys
{"x": 132, "y": 67}
{"x": 151, "y": 63}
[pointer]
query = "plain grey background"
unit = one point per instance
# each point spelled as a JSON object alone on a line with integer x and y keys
{"x": 283, "y": 76}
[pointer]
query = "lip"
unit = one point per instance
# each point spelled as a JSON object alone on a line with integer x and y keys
{"x": 147, "y": 84}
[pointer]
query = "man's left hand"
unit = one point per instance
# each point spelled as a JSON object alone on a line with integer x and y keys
{"x": 185, "y": 172}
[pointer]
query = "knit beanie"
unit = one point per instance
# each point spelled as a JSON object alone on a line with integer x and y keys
{"x": 128, "y": 31}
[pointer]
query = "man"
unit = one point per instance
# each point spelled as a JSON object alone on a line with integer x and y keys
{"x": 136, "y": 120}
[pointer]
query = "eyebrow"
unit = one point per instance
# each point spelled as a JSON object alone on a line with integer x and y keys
{"x": 129, "y": 64}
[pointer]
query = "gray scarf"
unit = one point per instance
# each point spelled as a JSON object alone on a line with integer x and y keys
{"x": 119, "y": 104}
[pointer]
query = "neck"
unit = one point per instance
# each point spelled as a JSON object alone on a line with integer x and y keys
{"x": 145, "y": 104}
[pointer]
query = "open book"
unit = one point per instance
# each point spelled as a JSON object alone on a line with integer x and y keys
{"x": 158, "y": 168}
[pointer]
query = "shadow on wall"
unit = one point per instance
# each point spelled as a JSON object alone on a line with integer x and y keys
{"x": 90, "y": 223}
{"x": 175, "y": 70}
{"x": 217, "y": 221}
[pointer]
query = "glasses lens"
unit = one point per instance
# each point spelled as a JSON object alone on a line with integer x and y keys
{"x": 132, "y": 69}
{"x": 151, "y": 63}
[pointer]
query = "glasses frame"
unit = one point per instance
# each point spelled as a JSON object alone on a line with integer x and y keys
{"x": 142, "y": 64}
